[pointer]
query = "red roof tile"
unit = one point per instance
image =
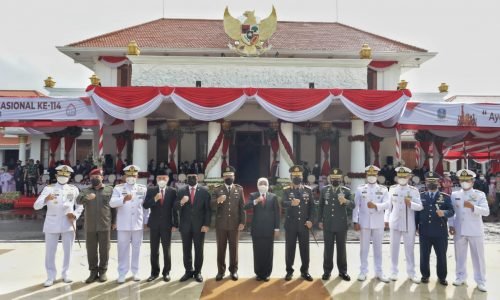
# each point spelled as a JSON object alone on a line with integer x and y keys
{"x": 209, "y": 34}
{"x": 21, "y": 93}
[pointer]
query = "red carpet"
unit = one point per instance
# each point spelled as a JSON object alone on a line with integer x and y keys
{"x": 25, "y": 202}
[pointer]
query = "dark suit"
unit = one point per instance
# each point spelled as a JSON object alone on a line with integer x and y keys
{"x": 266, "y": 220}
{"x": 295, "y": 228}
{"x": 161, "y": 220}
{"x": 433, "y": 231}
{"x": 192, "y": 217}
{"x": 229, "y": 214}
{"x": 333, "y": 215}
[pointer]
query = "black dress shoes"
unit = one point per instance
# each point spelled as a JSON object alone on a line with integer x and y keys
{"x": 198, "y": 277}
{"x": 345, "y": 277}
{"x": 443, "y": 282}
{"x": 166, "y": 277}
{"x": 288, "y": 276}
{"x": 234, "y": 276}
{"x": 103, "y": 277}
{"x": 186, "y": 276}
{"x": 219, "y": 277}
{"x": 326, "y": 276}
{"x": 266, "y": 279}
{"x": 424, "y": 280}
{"x": 258, "y": 278}
{"x": 93, "y": 277}
{"x": 306, "y": 276}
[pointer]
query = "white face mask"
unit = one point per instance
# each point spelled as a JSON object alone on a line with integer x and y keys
{"x": 131, "y": 180}
{"x": 371, "y": 179}
{"x": 162, "y": 183}
{"x": 466, "y": 185}
{"x": 263, "y": 189}
{"x": 403, "y": 181}
{"x": 62, "y": 180}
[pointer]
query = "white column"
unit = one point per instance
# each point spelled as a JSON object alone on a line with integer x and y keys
{"x": 140, "y": 153}
{"x": 61, "y": 146}
{"x": 357, "y": 151}
{"x": 287, "y": 129}
{"x": 453, "y": 166}
{"x": 483, "y": 167}
{"x": 214, "y": 129}
{"x": 36, "y": 147}
{"x": 22, "y": 148}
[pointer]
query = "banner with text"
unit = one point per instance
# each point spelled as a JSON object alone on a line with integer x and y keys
{"x": 18, "y": 108}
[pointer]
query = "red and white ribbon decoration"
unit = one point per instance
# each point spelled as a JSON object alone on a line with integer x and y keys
{"x": 285, "y": 148}
{"x": 101, "y": 140}
{"x": 214, "y": 153}
{"x": 417, "y": 154}
{"x": 113, "y": 61}
{"x": 397, "y": 145}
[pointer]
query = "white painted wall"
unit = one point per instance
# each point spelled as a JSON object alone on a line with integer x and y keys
{"x": 152, "y": 144}
{"x": 389, "y": 78}
{"x": 36, "y": 147}
{"x": 308, "y": 149}
{"x": 107, "y": 75}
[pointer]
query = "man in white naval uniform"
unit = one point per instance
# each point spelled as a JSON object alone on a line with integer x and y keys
{"x": 371, "y": 200}
{"x": 131, "y": 218}
{"x": 60, "y": 221}
{"x": 5, "y": 180}
{"x": 467, "y": 227}
{"x": 404, "y": 201}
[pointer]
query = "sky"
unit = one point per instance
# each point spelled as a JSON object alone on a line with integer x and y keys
{"x": 465, "y": 34}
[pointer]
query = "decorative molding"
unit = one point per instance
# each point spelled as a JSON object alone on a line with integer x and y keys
{"x": 356, "y": 138}
{"x": 263, "y": 75}
{"x": 141, "y": 136}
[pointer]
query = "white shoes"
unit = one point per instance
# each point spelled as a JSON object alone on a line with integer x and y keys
{"x": 67, "y": 280}
{"x": 137, "y": 278}
{"x": 121, "y": 279}
{"x": 383, "y": 278}
{"x": 482, "y": 287}
{"x": 362, "y": 277}
{"x": 394, "y": 277}
{"x": 414, "y": 279}
{"x": 48, "y": 283}
{"x": 458, "y": 282}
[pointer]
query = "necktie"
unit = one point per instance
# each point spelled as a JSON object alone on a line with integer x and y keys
{"x": 264, "y": 199}
{"x": 162, "y": 196}
{"x": 192, "y": 195}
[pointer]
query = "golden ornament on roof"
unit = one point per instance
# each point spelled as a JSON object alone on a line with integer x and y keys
{"x": 49, "y": 82}
{"x": 443, "y": 88}
{"x": 94, "y": 80}
{"x": 365, "y": 52}
{"x": 133, "y": 48}
{"x": 402, "y": 84}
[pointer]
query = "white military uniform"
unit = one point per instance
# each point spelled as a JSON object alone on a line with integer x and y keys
{"x": 57, "y": 224}
{"x": 469, "y": 231}
{"x": 130, "y": 220}
{"x": 371, "y": 221}
{"x": 401, "y": 220}
{"x": 5, "y": 181}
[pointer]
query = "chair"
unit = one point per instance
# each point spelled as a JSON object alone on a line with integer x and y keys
{"x": 381, "y": 179}
{"x": 182, "y": 177}
{"x": 311, "y": 179}
{"x": 111, "y": 178}
{"x": 45, "y": 178}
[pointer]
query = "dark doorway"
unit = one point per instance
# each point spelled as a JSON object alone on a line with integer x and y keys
{"x": 248, "y": 148}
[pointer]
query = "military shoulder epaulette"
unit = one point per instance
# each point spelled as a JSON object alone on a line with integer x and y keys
{"x": 394, "y": 185}
{"x": 308, "y": 187}
{"x": 346, "y": 188}
{"x": 237, "y": 185}
{"x": 141, "y": 186}
{"x": 444, "y": 194}
{"x": 286, "y": 187}
{"x": 219, "y": 185}
{"x": 412, "y": 187}
{"x": 120, "y": 184}
{"x": 72, "y": 185}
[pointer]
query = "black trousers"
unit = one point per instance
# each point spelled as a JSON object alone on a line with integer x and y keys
{"x": 188, "y": 239}
{"x": 31, "y": 185}
{"x": 20, "y": 186}
{"x": 329, "y": 238}
{"x": 263, "y": 250}
{"x": 440, "y": 245}
{"x": 165, "y": 236}
{"x": 98, "y": 241}
{"x": 291, "y": 237}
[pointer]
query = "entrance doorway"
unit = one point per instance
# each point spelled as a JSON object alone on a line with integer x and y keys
{"x": 249, "y": 157}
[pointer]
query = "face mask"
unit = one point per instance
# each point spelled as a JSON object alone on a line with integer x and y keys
{"x": 263, "y": 189}
{"x": 228, "y": 181}
{"x": 95, "y": 181}
{"x": 466, "y": 185}
{"x": 482, "y": 178}
{"x": 335, "y": 182}
{"x": 432, "y": 186}
{"x": 131, "y": 180}
{"x": 191, "y": 180}
{"x": 371, "y": 179}
{"x": 162, "y": 183}
{"x": 296, "y": 180}
{"x": 62, "y": 180}
{"x": 402, "y": 181}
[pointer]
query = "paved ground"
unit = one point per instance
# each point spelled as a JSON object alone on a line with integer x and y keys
{"x": 22, "y": 274}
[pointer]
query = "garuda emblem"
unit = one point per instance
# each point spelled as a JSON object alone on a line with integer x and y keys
{"x": 250, "y": 36}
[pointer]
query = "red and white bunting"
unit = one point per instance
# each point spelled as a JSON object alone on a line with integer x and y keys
{"x": 113, "y": 61}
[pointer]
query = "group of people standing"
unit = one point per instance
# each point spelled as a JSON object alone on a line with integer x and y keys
{"x": 130, "y": 207}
